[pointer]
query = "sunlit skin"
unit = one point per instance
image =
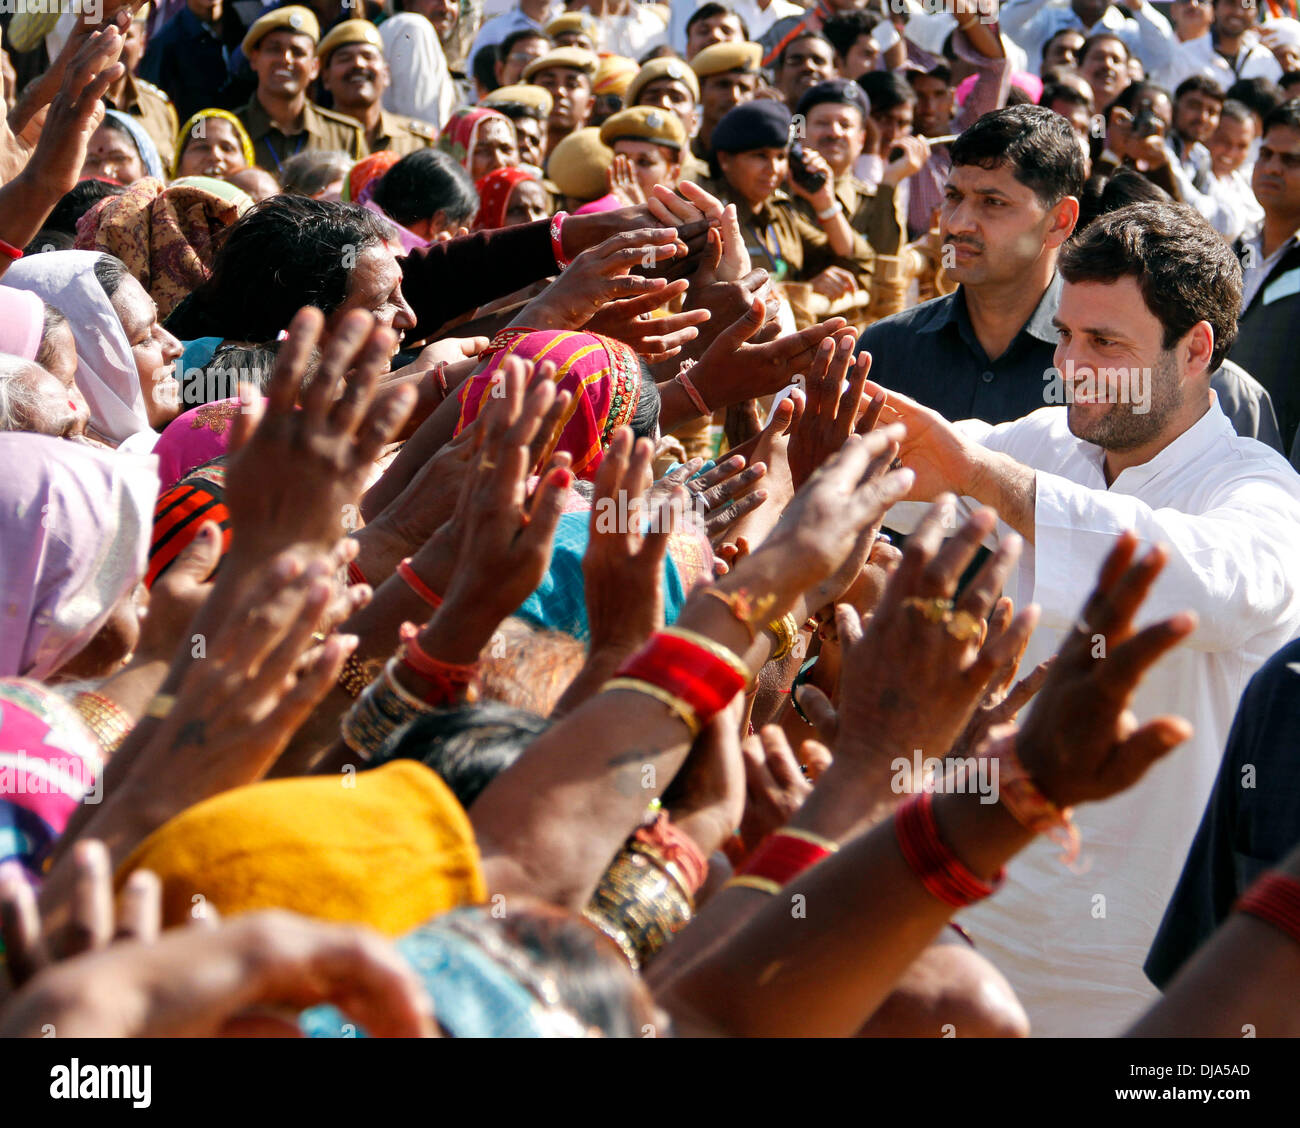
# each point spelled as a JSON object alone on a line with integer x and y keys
{"x": 55, "y": 412}
{"x": 375, "y": 285}
{"x": 215, "y": 151}
{"x": 154, "y": 349}
{"x": 356, "y": 76}
{"x": 1064, "y": 50}
{"x": 285, "y": 64}
{"x": 578, "y": 39}
{"x": 1108, "y": 326}
{"x": 494, "y": 148}
{"x": 805, "y": 63}
{"x": 755, "y": 175}
{"x": 1196, "y": 116}
{"x": 838, "y": 133}
{"x": 669, "y": 94}
{"x": 570, "y": 90}
{"x": 529, "y": 202}
{"x": 1078, "y": 116}
{"x": 1230, "y": 145}
{"x": 510, "y": 70}
{"x": 530, "y": 136}
{"x": 1233, "y": 18}
{"x": 861, "y": 58}
{"x": 723, "y": 28}
{"x": 1288, "y": 57}
{"x": 1105, "y": 67}
{"x": 111, "y": 155}
{"x": 935, "y": 104}
{"x": 653, "y": 164}
{"x": 722, "y": 92}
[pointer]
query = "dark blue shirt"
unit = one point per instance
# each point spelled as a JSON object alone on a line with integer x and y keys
{"x": 931, "y": 354}
{"x": 1251, "y": 822}
{"x": 189, "y": 62}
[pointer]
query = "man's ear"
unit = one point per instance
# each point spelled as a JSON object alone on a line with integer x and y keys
{"x": 1064, "y": 218}
{"x": 1198, "y": 348}
{"x": 315, "y": 70}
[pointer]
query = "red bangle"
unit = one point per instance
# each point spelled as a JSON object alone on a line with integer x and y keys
{"x": 1027, "y": 804}
{"x": 355, "y": 575}
{"x": 1275, "y": 898}
{"x": 10, "y": 251}
{"x": 417, "y": 585}
{"x": 785, "y": 854}
{"x": 415, "y": 656}
{"x": 557, "y": 243}
{"x": 705, "y": 677}
{"x": 676, "y": 846}
{"x": 940, "y": 870}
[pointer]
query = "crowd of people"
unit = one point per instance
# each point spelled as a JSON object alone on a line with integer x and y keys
{"x": 620, "y": 519}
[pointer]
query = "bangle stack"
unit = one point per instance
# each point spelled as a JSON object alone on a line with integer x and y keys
{"x": 449, "y": 681}
{"x": 940, "y": 870}
{"x": 780, "y": 858}
{"x": 105, "y": 718}
{"x": 1275, "y": 898}
{"x": 380, "y": 711}
{"x": 691, "y": 674}
{"x": 1027, "y": 805}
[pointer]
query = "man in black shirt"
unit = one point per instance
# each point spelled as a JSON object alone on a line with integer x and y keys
{"x": 1010, "y": 202}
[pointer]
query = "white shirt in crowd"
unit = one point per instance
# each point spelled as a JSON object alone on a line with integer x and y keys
{"x": 1198, "y": 56}
{"x": 1072, "y": 944}
{"x": 758, "y": 18}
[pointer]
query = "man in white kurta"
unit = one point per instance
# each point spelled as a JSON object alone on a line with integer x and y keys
{"x": 1228, "y": 509}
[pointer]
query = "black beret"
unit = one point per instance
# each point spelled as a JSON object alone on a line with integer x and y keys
{"x": 760, "y": 124}
{"x": 840, "y": 91}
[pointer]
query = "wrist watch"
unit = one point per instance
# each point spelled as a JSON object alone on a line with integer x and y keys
{"x": 831, "y": 212}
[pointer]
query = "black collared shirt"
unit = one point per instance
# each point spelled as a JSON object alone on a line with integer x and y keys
{"x": 931, "y": 353}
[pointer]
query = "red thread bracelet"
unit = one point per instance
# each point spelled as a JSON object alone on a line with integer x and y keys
{"x": 940, "y": 870}
{"x": 785, "y": 854}
{"x": 422, "y": 662}
{"x": 557, "y": 242}
{"x": 355, "y": 575}
{"x": 1274, "y": 898}
{"x": 417, "y": 585}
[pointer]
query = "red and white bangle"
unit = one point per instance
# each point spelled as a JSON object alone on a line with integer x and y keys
{"x": 1275, "y": 897}
{"x": 780, "y": 858}
{"x": 941, "y": 872}
{"x": 557, "y": 243}
{"x": 692, "y": 392}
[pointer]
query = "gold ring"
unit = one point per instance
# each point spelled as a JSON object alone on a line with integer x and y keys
{"x": 935, "y": 609}
{"x": 160, "y": 705}
{"x": 965, "y": 627}
{"x": 487, "y": 464}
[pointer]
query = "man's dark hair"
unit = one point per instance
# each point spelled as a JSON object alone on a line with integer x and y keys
{"x": 1062, "y": 92}
{"x": 78, "y": 200}
{"x": 709, "y": 11}
{"x": 287, "y": 252}
{"x": 1047, "y": 43}
{"x": 508, "y": 43}
{"x": 1129, "y": 97}
{"x": 1104, "y": 194}
{"x": 803, "y": 35}
{"x": 516, "y": 110}
{"x": 1185, "y": 269}
{"x": 1237, "y": 111}
{"x": 1258, "y": 93}
{"x": 1286, "y": 115}
{"x": 1200, "y": 84}
{"x": 941, "y": 72}
{"x": 1093, "y": 40}
{"x": 483, "y": 67}
{"x": 1038, "y": 145}
{"x": 885, "y": 91}
{"x": 424, "y": 183}
{"x": 469, "y": 745}
{"x": 846, "y": 28}
{"x": 1288, "y": 80}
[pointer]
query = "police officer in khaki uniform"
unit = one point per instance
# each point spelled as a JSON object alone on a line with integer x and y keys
{"x": 151, "y": 108}
{"x": 354, "y": 72}
{"x": 728, "y": 77}
{"x": 281, "y": 121}
{"x": 652, "y": 140}
{"x": 669, "y": 84}
{"x": 528, "y": 107}
{"x": 573, "y": 29}
{"x": 567, "y": 73}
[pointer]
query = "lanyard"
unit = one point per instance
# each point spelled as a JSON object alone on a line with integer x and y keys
{"x": 276, "y": 156}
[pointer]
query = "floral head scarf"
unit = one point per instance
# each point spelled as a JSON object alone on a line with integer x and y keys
{"x": 494, "y": 192}
{"x": 603, "y": 375}
{"x": 460, "y": 135}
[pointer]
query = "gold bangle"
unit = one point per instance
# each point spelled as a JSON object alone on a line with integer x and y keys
{"x": 160, "y": 705}
{"x": 786, "y": 629}
{"x": 762, "y": 884}
{"x": 808, "y": 836}
{"x": 107, "y": 720}
{"x": 683, "y": 711}
{"x": 356, "y": 674}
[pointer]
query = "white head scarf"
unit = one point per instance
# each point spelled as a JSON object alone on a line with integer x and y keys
{"x": 75, "y": 523}
{"x": 106, "y": 369}
{"x": 422, "y": 86}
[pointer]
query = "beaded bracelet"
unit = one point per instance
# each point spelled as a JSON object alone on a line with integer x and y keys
{"x": 1275, "y": 898}
{"x": 1029, "y": 806}
{"x": 105, "y": 718}
{"x": 417, "y": 585}
{"x": 379, "y": 712}
{"x": 940, "y": 870}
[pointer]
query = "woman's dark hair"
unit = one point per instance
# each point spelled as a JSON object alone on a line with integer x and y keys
{"x": 645, "y": 419}
{"x": 1103, "y": 194}
{"x": 77, "y": 201}
{"x": 287, "y": 252}
{"x": 468, "y": 746}
{"x": 110, "y": 272}
{"x": 46, "y": 240}
{"x": 115, "y": 126}
{"x": 1128, "y": 98}
{"x": 310, "y": 173}
{"x": 885, "y": 90}
{"x": 1037, "y": 143}
{"x": 424, "y": 183}
{"x": 54, "y": 317}
{"x": 1185, "y": 269}
{"x": 230, "y": 366}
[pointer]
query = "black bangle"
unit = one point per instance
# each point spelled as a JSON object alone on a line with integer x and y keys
{"x": 799, "y": 679}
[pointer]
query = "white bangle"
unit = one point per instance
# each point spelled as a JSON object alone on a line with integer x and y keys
{"x": 830, "y": 213}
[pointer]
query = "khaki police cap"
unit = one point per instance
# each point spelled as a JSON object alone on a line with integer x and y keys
{"x": 523, "y": 94}
{"x": 644, "y": 123}
{"x": 579, "y": 165}
{"x": 656, "y": 69}
{"x": 570, "y": 22}
{"x": 574, "y": 57}
{"x": 723, "y": 57}
{"x": 294, "y": 18}
{"x": 347, "y": 33}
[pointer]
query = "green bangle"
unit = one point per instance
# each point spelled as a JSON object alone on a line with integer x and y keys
{"x": 800, "y": 679}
